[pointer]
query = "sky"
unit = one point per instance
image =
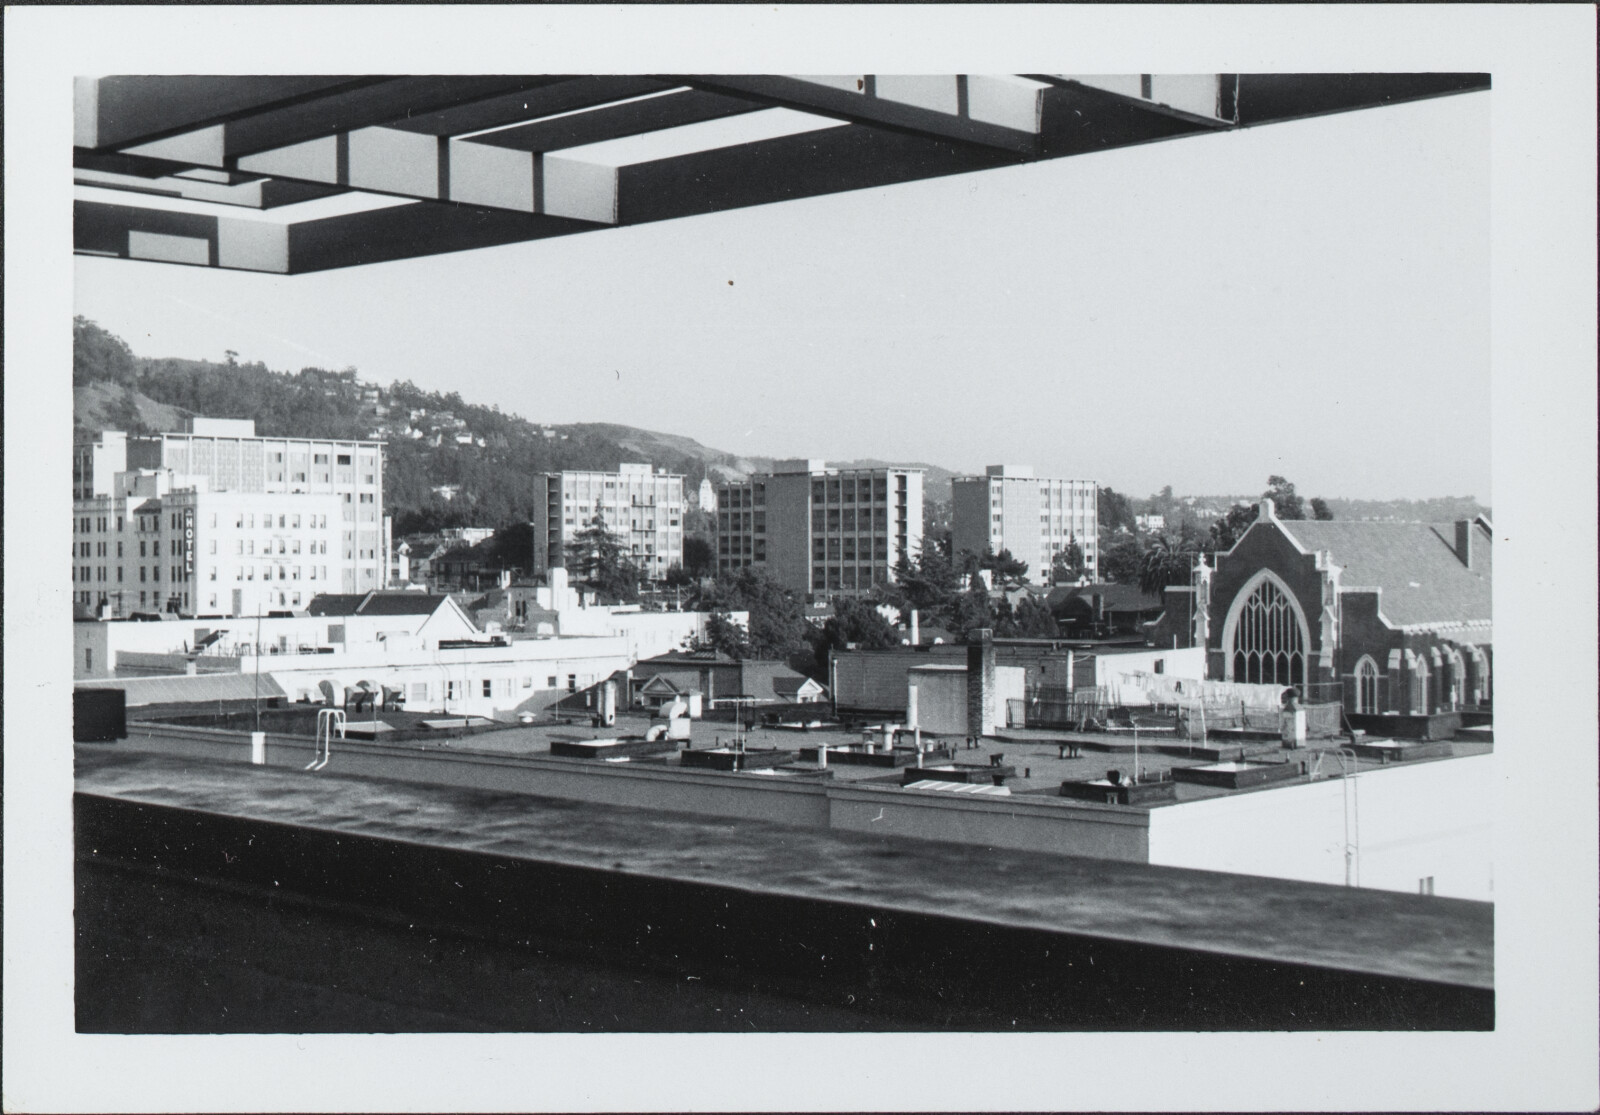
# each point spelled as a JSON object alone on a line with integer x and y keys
{"x": 1309, "y": 299}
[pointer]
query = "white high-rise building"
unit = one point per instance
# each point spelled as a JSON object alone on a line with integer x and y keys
{"x": 641, "y": 505}
{"x": 1035, "y": 518}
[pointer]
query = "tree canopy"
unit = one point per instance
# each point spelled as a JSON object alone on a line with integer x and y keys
{"x": 99, "y": 356}
{"x": 1285, "y": 503}
{"x": 778, "y": 627}
{"x": 1114, "y": 510}
{"x": 1006, "y": 569}
{"x": 600, "y": 559}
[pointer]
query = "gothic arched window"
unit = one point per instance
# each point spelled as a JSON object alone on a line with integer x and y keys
{"x": 1366, "y": 685}
{"x": 1269, "y": 639}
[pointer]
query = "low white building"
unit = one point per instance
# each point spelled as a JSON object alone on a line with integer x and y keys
{"x": 423, "y": 646}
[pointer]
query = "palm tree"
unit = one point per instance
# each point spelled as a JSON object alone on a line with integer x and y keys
{"x": 1167, "y": 561}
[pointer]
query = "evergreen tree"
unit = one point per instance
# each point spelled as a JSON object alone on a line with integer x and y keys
{"x": 1006, "y": 569}
{"x": 1068, "y": 564}
{"x": 600, "y": 560}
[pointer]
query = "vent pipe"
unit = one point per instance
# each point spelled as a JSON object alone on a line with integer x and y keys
{"x": 1464, "y": 541}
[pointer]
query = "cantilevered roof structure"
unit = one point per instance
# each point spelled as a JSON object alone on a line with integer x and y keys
{"x": 294, "y": 174}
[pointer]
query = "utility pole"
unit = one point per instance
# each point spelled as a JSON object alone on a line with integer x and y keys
{"x": 258, "y": 667}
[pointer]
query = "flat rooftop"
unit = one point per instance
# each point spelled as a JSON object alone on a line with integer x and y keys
{"x": 1036, "y": 755}
{"x": 1438, "y": 940}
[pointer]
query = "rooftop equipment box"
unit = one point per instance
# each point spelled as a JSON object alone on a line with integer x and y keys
{"x": 99, "y": 715}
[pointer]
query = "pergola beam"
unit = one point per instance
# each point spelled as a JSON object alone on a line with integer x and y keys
{"x": 165, "y": 236}
{"x": 259, "y": 193}
{"x": 939, "y": 106}
{"x": 618, "y": 121}
{"x": 123, "y": 111}
{"x": 483, "y": 160}
{"x": 1269, "y": 98}
{"x": 348, "y": 240}
{"x": 313, "y": 118}
{"x": 557, "y": 95}
{"x": 407, "y": 231}
{"x": 832, "y": 160}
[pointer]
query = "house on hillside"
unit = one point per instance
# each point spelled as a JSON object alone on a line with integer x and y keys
{"x": 1384, "y": 617}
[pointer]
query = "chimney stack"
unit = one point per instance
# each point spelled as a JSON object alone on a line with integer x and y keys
{"x": 1464, "y": 541}
{"x": 915, "y": 629}
{"x": 980, "y": 683}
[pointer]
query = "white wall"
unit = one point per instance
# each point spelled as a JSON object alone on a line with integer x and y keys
{"x": 942, "y": 697}
{"x": 1182, "y": 662}
{"x": 941, "y": 700}
{"x": 518, "y": 675}
{"x": 107, "y": 639}
{"x": 1414, "y": 820}
{"x": 1010, "y": 684}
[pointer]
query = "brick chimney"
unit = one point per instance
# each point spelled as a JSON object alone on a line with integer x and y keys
{"x": 1464, "y": 529}
{"x": 980, "y": 683}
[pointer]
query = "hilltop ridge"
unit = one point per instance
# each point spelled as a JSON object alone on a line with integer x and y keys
{"x": 455, "y": 463}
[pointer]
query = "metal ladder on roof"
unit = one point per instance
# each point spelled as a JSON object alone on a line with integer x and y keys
{"x": 1349, "y": 775}
{"x": 328, "y": 720}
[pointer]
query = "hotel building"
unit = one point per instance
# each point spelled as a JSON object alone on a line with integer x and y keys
{"x": 818, "y": 531}
{"x": 1035, "y": 518}
{"x": 642, "y": 506}
{"x": 216, "y": 521}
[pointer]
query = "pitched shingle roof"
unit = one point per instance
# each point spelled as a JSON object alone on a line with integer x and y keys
{"x": 1117, "y": 598}
{"x": 335, "y": 603}
{"x": 789, "y": 686}
{"x": 760, "y": 678}
{"x": 1415, "y": 564}
{"x": 688, "y": 658}
{"x": 375, "y": 604}
{"x": 185, "y": 688}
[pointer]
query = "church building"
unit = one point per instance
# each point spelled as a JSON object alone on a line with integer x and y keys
{"x": 1382, "y": 617}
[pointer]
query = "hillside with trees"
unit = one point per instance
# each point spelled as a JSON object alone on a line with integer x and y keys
{"x": 449, "y": 462}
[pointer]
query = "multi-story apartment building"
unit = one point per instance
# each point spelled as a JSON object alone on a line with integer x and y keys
{"x": 642, "y": 506}
{"x": 1035, "y": 518}
{"x": 821, "y": 532}
{"x": 217, "y": 521}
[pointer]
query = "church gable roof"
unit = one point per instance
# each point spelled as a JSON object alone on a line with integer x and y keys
{"x": 1415, "y": 564}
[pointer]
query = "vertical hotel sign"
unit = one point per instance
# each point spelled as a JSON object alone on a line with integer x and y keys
{"x": 188, "y": 544}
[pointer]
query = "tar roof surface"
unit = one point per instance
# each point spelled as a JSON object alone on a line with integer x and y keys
{"x": 1442, "y": 939}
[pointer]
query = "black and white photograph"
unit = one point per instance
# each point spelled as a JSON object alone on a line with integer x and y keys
{"x": 611, "y": 573}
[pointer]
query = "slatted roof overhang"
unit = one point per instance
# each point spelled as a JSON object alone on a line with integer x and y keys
{"x": 296, "y": 174}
